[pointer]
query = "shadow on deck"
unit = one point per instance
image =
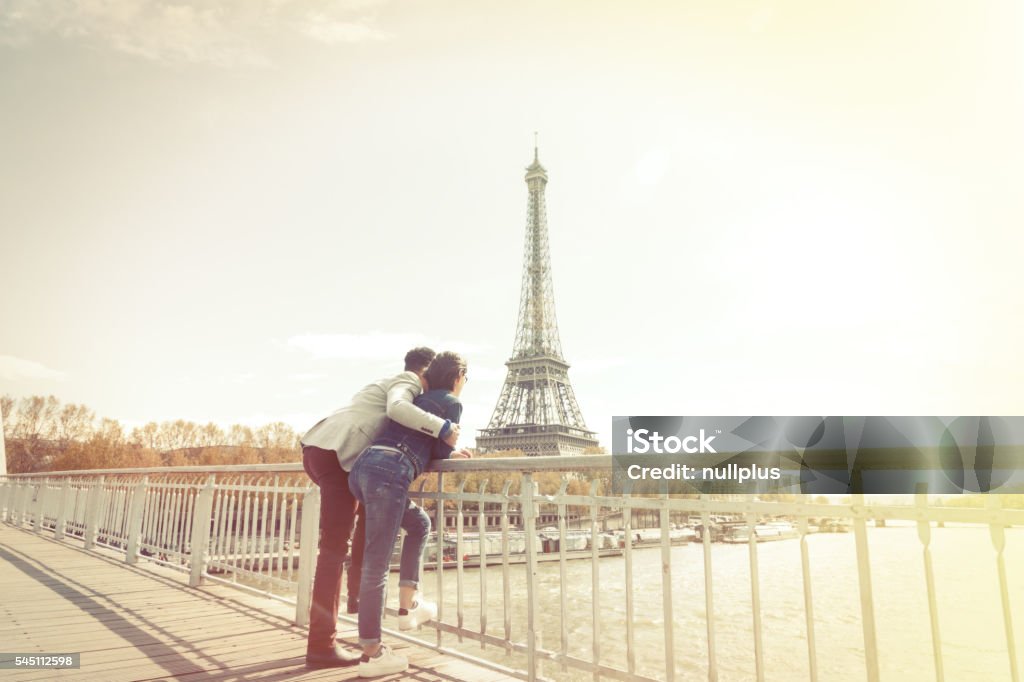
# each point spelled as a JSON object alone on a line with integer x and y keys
{"x": 145, "y": 623}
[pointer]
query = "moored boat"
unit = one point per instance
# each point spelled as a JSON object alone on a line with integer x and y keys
{"x": 763, "y": 532}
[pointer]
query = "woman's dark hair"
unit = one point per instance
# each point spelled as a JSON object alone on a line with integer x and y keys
{"x": 445, "y": 369}
{"x": 418, "y": 358}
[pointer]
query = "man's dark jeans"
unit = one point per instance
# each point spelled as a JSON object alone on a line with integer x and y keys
{"x": 337, "y": 514}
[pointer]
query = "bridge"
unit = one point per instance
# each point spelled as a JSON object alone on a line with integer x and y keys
{"x": 206, "y": 572}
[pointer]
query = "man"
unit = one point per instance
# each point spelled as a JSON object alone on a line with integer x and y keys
{"x": 329, "y": 450}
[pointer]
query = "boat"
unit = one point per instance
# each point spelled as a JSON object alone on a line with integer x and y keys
{"x": 717, "y": 527}
{"x": 763, "y": 532}
{"x": 835, "y": 525}
{"x": 677, "y": 535}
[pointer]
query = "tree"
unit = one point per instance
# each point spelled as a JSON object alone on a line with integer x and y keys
{"x": 106, "y": 448}
{"x": 43, "y": 435}
{"x": 241, "y": 436}
{"x": 278, "y": 442}
{"x": 74, "y": 422}
{"x": 31, "y": 433}
{"x": 209, "y": 435}
{"x": 36, "y": 418}
{"x": 147, "y": 436}
{"x": 178, "y": 434}
{"x": 277, "y": 435}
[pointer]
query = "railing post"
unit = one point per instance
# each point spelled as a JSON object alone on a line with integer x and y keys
{"x": 20, "y": 493}
{"x": 14, "y": 512}
{"x": 60, "y": 524}
{"x": 439, "y": 515}
{"x": 5, "y": 498}
{"x": 627, "y": 551}
{"x": 24, "y": 493}
{"x": 92, "y": 512}
{"x": 26, "y": 503}
{"x": 924, "y": 534}
{"x": 459, "y": 570}
{"x": 595, "y": 578}
{"x": 138, "y": 504}
{"x": 37, "y": 522}
{"x": 309, "y": 540}
{"x": 997, "y": 531}
{"x": 709, "y": 602}
{"x": 805, "y": 565}
{"x": 481, "y": 525}
{"x": 563, "y": 596}
{"x": 755, "y": 596}
{"x": 201, "y": 532}
{"x": 867, "y": 604}
{"x": 506, "y": 590}
{"x": 529, "y": 512}
{"x": 12, "y": 507}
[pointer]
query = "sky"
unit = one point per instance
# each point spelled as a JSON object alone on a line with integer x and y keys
{"x": 243, "y": 212}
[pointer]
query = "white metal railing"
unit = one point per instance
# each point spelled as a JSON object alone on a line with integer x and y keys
{"x": 249, "y": 526}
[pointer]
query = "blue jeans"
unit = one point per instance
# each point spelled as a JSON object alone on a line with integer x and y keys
{"x": 380, "y": 480}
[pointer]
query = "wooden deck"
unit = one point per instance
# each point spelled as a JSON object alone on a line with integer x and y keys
{"x": 145, "y": 623}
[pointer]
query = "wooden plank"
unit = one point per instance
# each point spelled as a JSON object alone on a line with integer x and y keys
{"x": 70, "y": 628}
{"x": 134, "y": 623}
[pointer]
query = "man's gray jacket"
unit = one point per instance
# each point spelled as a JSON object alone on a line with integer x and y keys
{"x": 349, "y": 430}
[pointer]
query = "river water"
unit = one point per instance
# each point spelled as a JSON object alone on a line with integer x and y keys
{"x": 970, "y": 614}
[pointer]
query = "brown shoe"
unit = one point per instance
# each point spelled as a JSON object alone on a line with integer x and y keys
{"x": 335, "y": 657}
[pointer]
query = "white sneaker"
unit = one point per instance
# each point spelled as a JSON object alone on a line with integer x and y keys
{"x": 386, "y": 662}
{"x": 419, "y": 614}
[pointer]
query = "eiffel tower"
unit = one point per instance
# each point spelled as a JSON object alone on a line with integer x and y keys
{"x": 537, "y": 410}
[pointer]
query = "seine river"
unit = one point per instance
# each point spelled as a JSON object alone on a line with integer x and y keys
{"x": 970, "y": 615}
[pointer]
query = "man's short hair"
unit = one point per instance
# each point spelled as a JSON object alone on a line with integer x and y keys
{"x": 418, "y": 358}
{"x": 444, "y": 370}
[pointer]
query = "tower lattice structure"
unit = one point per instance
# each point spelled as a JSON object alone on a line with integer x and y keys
{"x": 537, "y": 411}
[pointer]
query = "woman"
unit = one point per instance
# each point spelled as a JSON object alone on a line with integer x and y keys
{"x": 380, "y": 480}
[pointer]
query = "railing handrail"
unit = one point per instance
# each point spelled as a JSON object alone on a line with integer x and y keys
{"x": 993, "y": 512}
{"x": 284, "y": 467}
{"x": 520, "y": 464}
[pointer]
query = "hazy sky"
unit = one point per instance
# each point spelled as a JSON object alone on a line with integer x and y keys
{"x": 243, "y": 211}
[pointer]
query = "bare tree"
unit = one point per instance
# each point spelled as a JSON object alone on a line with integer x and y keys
{"x": 35, "y": 426}
{"x": 241, "y": 436}
{"x": 74, "y": 422}
{"x": 37, "y": 418}
{"x": 178, "y": 435}
{"x": 148, "y": 436}
{"x": 277, "y": 435}
{"x": 210, "y": 435}
{"x": 42, "y": 434}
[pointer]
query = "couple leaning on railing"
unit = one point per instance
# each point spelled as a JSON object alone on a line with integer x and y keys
{"x": 364, "y": 457}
